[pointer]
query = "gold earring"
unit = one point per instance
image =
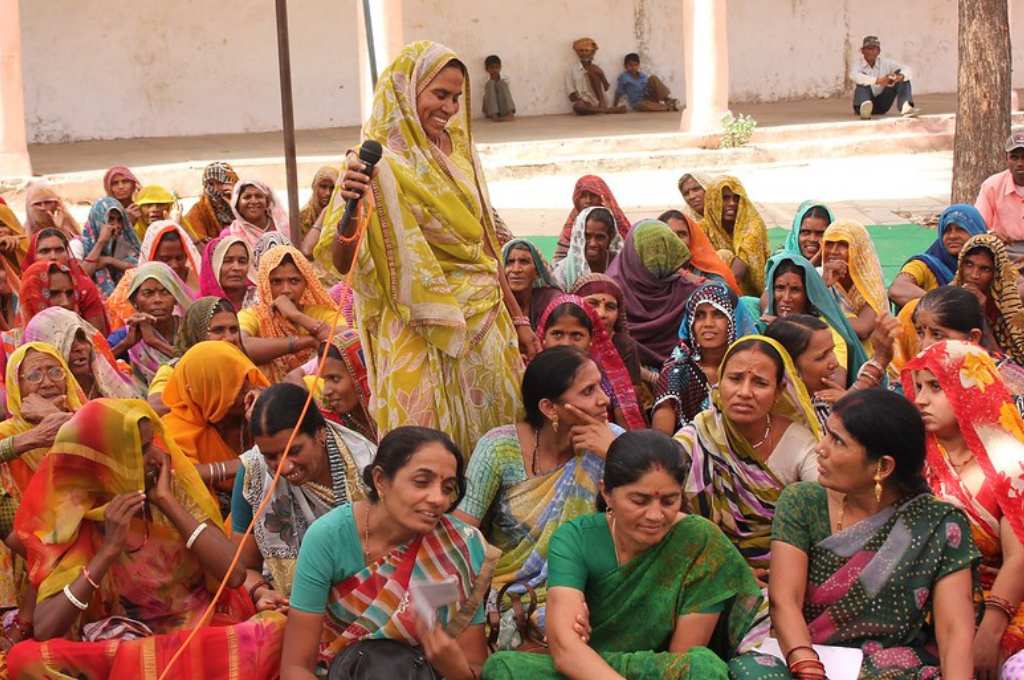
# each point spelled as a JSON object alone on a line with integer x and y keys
{"x": 878, "y": 483}
{"x": 554, "y": 423}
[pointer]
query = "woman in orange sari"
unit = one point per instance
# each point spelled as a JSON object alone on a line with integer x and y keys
{"x": 125, "y": 562}
{"x": 212, "y": 385}
{"x": 975, "y": 440}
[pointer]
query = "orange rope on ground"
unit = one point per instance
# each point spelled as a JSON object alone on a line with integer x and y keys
{"x": 360, "y": 229}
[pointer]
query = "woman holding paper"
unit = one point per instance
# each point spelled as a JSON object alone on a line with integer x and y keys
{"x": 868, "y": 558}
{"x": 359, "y": 563}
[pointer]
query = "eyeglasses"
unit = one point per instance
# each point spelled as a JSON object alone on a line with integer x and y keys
{"x": 54, "y": 373}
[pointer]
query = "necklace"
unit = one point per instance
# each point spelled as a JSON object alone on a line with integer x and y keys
{"x": 842, "y": 515}
{"x": 366, "y": 534}
{"x": 958, "y": 466}
{"x": 536, "y": 451}
{"x": 767, "y": 432}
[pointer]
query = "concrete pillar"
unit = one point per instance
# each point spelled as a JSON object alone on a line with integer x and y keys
{"x": 14, "y": 161}
{"x": 706, "y": 63}
{"x": 388, "y": 40}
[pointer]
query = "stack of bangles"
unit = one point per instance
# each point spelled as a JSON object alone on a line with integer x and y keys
{"x": 218, "y": 472}
{"x": 870, "y": 375}
{"x": 521, "y": 321}
{"x": 1000, "y": 604}
{"x": 806, "y": 669}
{"x": 7, "y": 453}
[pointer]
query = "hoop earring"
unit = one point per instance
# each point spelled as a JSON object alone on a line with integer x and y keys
{"x": 878, "y": 482}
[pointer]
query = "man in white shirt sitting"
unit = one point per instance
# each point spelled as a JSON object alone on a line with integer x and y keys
{"x": 880, "y": 82}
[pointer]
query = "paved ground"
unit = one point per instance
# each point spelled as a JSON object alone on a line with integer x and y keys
{"x": 92, "y": 155}
{"x": 887, "y": 189}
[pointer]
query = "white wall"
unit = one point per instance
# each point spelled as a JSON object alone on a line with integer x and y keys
{"x": 534, "y": 40}
{"x": 114, "y": 69}
{"x": 101, "y": 69}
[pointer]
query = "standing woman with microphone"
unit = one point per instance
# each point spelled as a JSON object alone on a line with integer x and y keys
{"x": 440, "y": 327}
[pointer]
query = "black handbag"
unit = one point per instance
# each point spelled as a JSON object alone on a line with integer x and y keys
{"x": 381, "y": 660}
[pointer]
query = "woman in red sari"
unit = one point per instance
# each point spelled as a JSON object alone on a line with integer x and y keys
{"x": 125, "y": 562}
{"x": 52, "y": 245}
{"x": 976, "y": 461}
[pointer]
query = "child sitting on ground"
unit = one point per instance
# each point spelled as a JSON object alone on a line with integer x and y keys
{"x": 642, "y": 92}
{"x": 498, "y": 103}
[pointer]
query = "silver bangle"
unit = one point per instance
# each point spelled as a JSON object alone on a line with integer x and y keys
{"x": 74, "y": 600}
{"x": 195, "y": 535}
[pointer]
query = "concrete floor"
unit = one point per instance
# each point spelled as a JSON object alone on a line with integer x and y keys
{"x": 49, "y": 159}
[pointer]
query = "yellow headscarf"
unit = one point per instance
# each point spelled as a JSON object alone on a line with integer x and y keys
{"x": 422, "y": 253}
{"x": 749, "y": 239}
{"x": 864, "y": 267}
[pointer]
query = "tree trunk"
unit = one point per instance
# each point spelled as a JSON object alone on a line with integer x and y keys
{"x": 983, "y": 96}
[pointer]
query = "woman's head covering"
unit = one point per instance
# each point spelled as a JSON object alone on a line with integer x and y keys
{"x": 200, "y": 392}
{"x": 988, "y": 421}
{"x": 126, "y": 245}
{"x": 271, "y": 239}
{"x": 311, "y": 211}
{"x": 864, "y": 267}
{"x": 195, "y": 325}
{"x": 824, "y": 305}
{"x": 119, "y": 171}
{"x": 74, "y": 394}
{"x": 432, "y": 207}
{"x": 607, "y": 358}
{"x": 58, "y": 327}
{"x": 593, "y": 284}
{"x": 36, "y": 218}
{"x": 216, "y": 173}
{"x": 119, "y": 304}
{"x": 250, "y": 232}
{"x": 794, "y": 403}
{"x": 98, "y": 455}
{"x": 705, "y": 259}
{"x": 682, "y": 378}
{"x": 654, "y": 291}
{"x": 33, "y": 245}
{"x": 574, "y": 265}
{"x": 35, "y": 287}
{"x": 12, "y": 261}
{"x": 154, "y": 194}
{"x": 545, "y": 276}
{"x": 942, "y": 264}
{"x": 1009, "y": 324}
{"x": 151, "y": 242}
{"x": 594, "y": 185}
{"x": 749, "y": 238}
{"x": 792, "y": 244}
{"x": 213, "y": 261}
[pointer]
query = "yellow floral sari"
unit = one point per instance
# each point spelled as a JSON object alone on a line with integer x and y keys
{"x": 864, "y": 267}
{"x": 440, "y": 346}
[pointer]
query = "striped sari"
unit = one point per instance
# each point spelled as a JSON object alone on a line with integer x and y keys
{"x": 372, "y": 604}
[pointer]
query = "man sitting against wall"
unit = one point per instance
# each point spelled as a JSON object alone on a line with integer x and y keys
{"x": 880, "y": 82}
{"x": 586, "y": 84}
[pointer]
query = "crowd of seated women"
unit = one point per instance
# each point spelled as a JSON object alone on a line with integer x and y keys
{"x": 728, "y": 462}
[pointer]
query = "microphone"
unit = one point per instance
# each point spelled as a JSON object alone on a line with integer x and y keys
{"x": 369, "y": 153}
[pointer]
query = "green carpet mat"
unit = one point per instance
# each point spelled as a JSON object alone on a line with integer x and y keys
{"x": 895, "y": 244}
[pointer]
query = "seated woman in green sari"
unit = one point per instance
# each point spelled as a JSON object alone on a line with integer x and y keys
{"x": 758, "y": 436}
{"x": 357, "y": 562}
{"x": 668, "y": 596}
{"x": 869, "y": 558}
{"x": 527, "y": 479}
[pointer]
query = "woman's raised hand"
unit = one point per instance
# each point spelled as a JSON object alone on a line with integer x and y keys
{"x": 592, "y": 435}
{"x": 118, "y": 519}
